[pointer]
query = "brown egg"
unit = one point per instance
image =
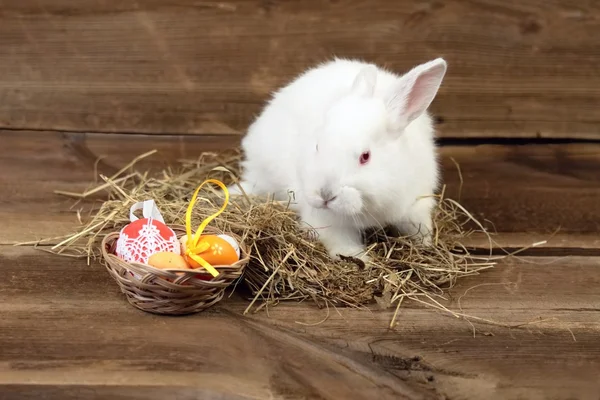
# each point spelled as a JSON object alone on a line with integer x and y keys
{"x": 167, "y": 260}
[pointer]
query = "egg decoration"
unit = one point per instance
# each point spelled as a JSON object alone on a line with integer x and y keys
{"x": 220, "y": 250}
{"x": 144, "y": 237}
{"x": 167, "y": 260}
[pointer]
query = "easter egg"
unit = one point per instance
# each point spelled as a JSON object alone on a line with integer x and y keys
{"x": 167, "y": 260}
{"x": 144, "y": 237}
{"x": 183, "y": 243}
{"x": 233, "y": 244}
{"x": 222, "y": 250}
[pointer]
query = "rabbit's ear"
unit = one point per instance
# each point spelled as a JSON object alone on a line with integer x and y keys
{"x": 414, "y": 92}
{"x": 364, "y": 83}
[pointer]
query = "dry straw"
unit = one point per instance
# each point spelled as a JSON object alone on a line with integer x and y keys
{"x": 287, "y": 264}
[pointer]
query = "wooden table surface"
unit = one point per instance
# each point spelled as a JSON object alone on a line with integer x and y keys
{"x": 66, "y": 332}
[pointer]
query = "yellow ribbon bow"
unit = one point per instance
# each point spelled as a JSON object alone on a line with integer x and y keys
{"x": 195, "y": 247}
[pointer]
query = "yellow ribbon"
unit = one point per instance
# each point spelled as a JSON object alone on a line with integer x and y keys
{"x": 195, "y": 247}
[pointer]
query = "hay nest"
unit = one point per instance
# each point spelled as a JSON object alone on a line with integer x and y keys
{"x": 287, "y": 264}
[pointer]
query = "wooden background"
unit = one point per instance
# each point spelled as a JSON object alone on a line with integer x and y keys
{"x": 94, "y": 83}
{"x": 516, "y": 68}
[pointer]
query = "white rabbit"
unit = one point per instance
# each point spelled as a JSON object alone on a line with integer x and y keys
{"x": 355, "y": 145}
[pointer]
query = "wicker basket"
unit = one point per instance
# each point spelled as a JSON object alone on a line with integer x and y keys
{"x": 173, "y": 292}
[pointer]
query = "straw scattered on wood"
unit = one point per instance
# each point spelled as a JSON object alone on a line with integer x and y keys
{"x": 287, "y": 263}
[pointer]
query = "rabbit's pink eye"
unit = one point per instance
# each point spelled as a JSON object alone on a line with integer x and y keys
{"x": 364, "y": 157}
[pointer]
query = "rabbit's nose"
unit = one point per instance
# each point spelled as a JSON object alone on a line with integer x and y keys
{"x": 327, "y": 195}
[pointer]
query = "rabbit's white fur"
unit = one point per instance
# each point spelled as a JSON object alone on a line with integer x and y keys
{"x": 312, "y": 133}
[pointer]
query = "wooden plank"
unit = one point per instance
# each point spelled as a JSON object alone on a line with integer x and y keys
{"x": 526, "y": 191}
{"x": 90, "y": 336}
{"x": 515, "y": 284}
{"x": 533, "y": 189}
{"x": 35, "y": 164}
{"x": 551, "y": 303}
{"x": 519, "y": 69}
{"x": 555, "y": 244}
{"x": 86, "y": 336}
{"x": 113, "y": 392}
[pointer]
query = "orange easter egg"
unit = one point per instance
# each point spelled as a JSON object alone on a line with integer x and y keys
{"x": 167, "y": 260}
{"x": 222, "y": 250}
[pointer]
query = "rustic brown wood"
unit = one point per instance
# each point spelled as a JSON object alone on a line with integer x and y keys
{"x": 521, "y": 69}
{"x": 90, "y": 335}
{"x": 35, "y": 164}
{"x": 529, "y": 188}
{"x": 88, "y": 341}
{"x": 526, "y": 191}
{"x": 555, "y": 244}
{"x": 554, "y": 298}
{"x": 113, "y": 392}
